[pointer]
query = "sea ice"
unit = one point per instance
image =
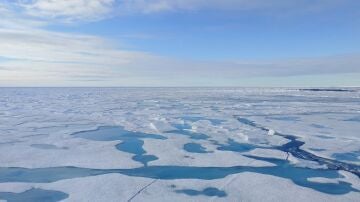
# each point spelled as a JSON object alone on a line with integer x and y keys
{"x": 179, "y": 144}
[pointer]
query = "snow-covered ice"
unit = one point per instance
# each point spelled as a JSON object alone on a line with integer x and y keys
{"x": 179, "y": 144}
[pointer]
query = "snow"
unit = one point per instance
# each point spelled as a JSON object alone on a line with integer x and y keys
{"x": 271, "y": 132}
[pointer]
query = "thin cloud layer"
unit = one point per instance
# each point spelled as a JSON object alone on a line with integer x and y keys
{"x": 92, "y": 10}
{"x": 39, "y": 52}
{"x": 31, "y": 54}
{"x": 154, "y": 6}
{"x": 67, "y": 10}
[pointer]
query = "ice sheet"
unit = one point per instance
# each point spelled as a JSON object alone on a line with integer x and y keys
{"x": 235, "y": 139}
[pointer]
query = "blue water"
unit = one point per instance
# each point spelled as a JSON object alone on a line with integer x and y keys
{"x": 194, "y": 148}
{"x": 145, "y": 159}
{"x": 349, "y": 156}
{"x": 135, "y": 146}
{"x": 131, "y": 141}
{"x": 327, "y": 90}
{"x": 210, "y": 191}
{"x": 34, "y": 195}
{"x": 293, "y": 147}
{"x": 234, "y": 146}
{"x": 282, "y": 169}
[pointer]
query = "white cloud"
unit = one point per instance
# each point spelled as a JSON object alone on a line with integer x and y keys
{"x": 40, "y": 45}
{"x": 38, "y": 57}
{"x": 39, "y": 52}
{"x": 67, "y": 10}
{"x": 92, "y": 10}
{"x": 29, "y": 53}
{"x": 12, "y": 19}
{"x": 154, "y": 6}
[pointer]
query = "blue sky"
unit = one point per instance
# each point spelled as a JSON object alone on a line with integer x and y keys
{"x": 180, "y": 43}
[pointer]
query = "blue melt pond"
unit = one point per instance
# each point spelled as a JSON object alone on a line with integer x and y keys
{"x": 234, "y": 146}
{"x": 298, "y": 175}
{"x": 34, "y": 195}
{"x": 349, "y": 156}
{"x": 210, "y": 191}
{"x": 131, "y": 141}
{"x": 195, "y": 148}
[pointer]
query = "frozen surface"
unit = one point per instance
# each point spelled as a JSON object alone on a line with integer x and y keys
{"x": 179, "y": 144}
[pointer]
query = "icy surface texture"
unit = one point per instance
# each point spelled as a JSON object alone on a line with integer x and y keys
{"x": 179, "y": 144}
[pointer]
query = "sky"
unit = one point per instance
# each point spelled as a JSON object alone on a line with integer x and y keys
{"x": 251, "y": 43}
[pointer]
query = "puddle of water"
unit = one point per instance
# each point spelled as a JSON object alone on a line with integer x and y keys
{"x": 293, "y": 147}
{"x": 300, "y": 176}
{"x": 210, "y": 191}
{"x": 145, "y": 159}
{"x": 131, "y": 141}
{"x": 195, "y": 148}
{"x": 133, "y": 146}
{"x": 282, "y": 169}
{"x": 235, "y": 146}
{"x": 34, "y": 195}
{"x": 349, "y": 156}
